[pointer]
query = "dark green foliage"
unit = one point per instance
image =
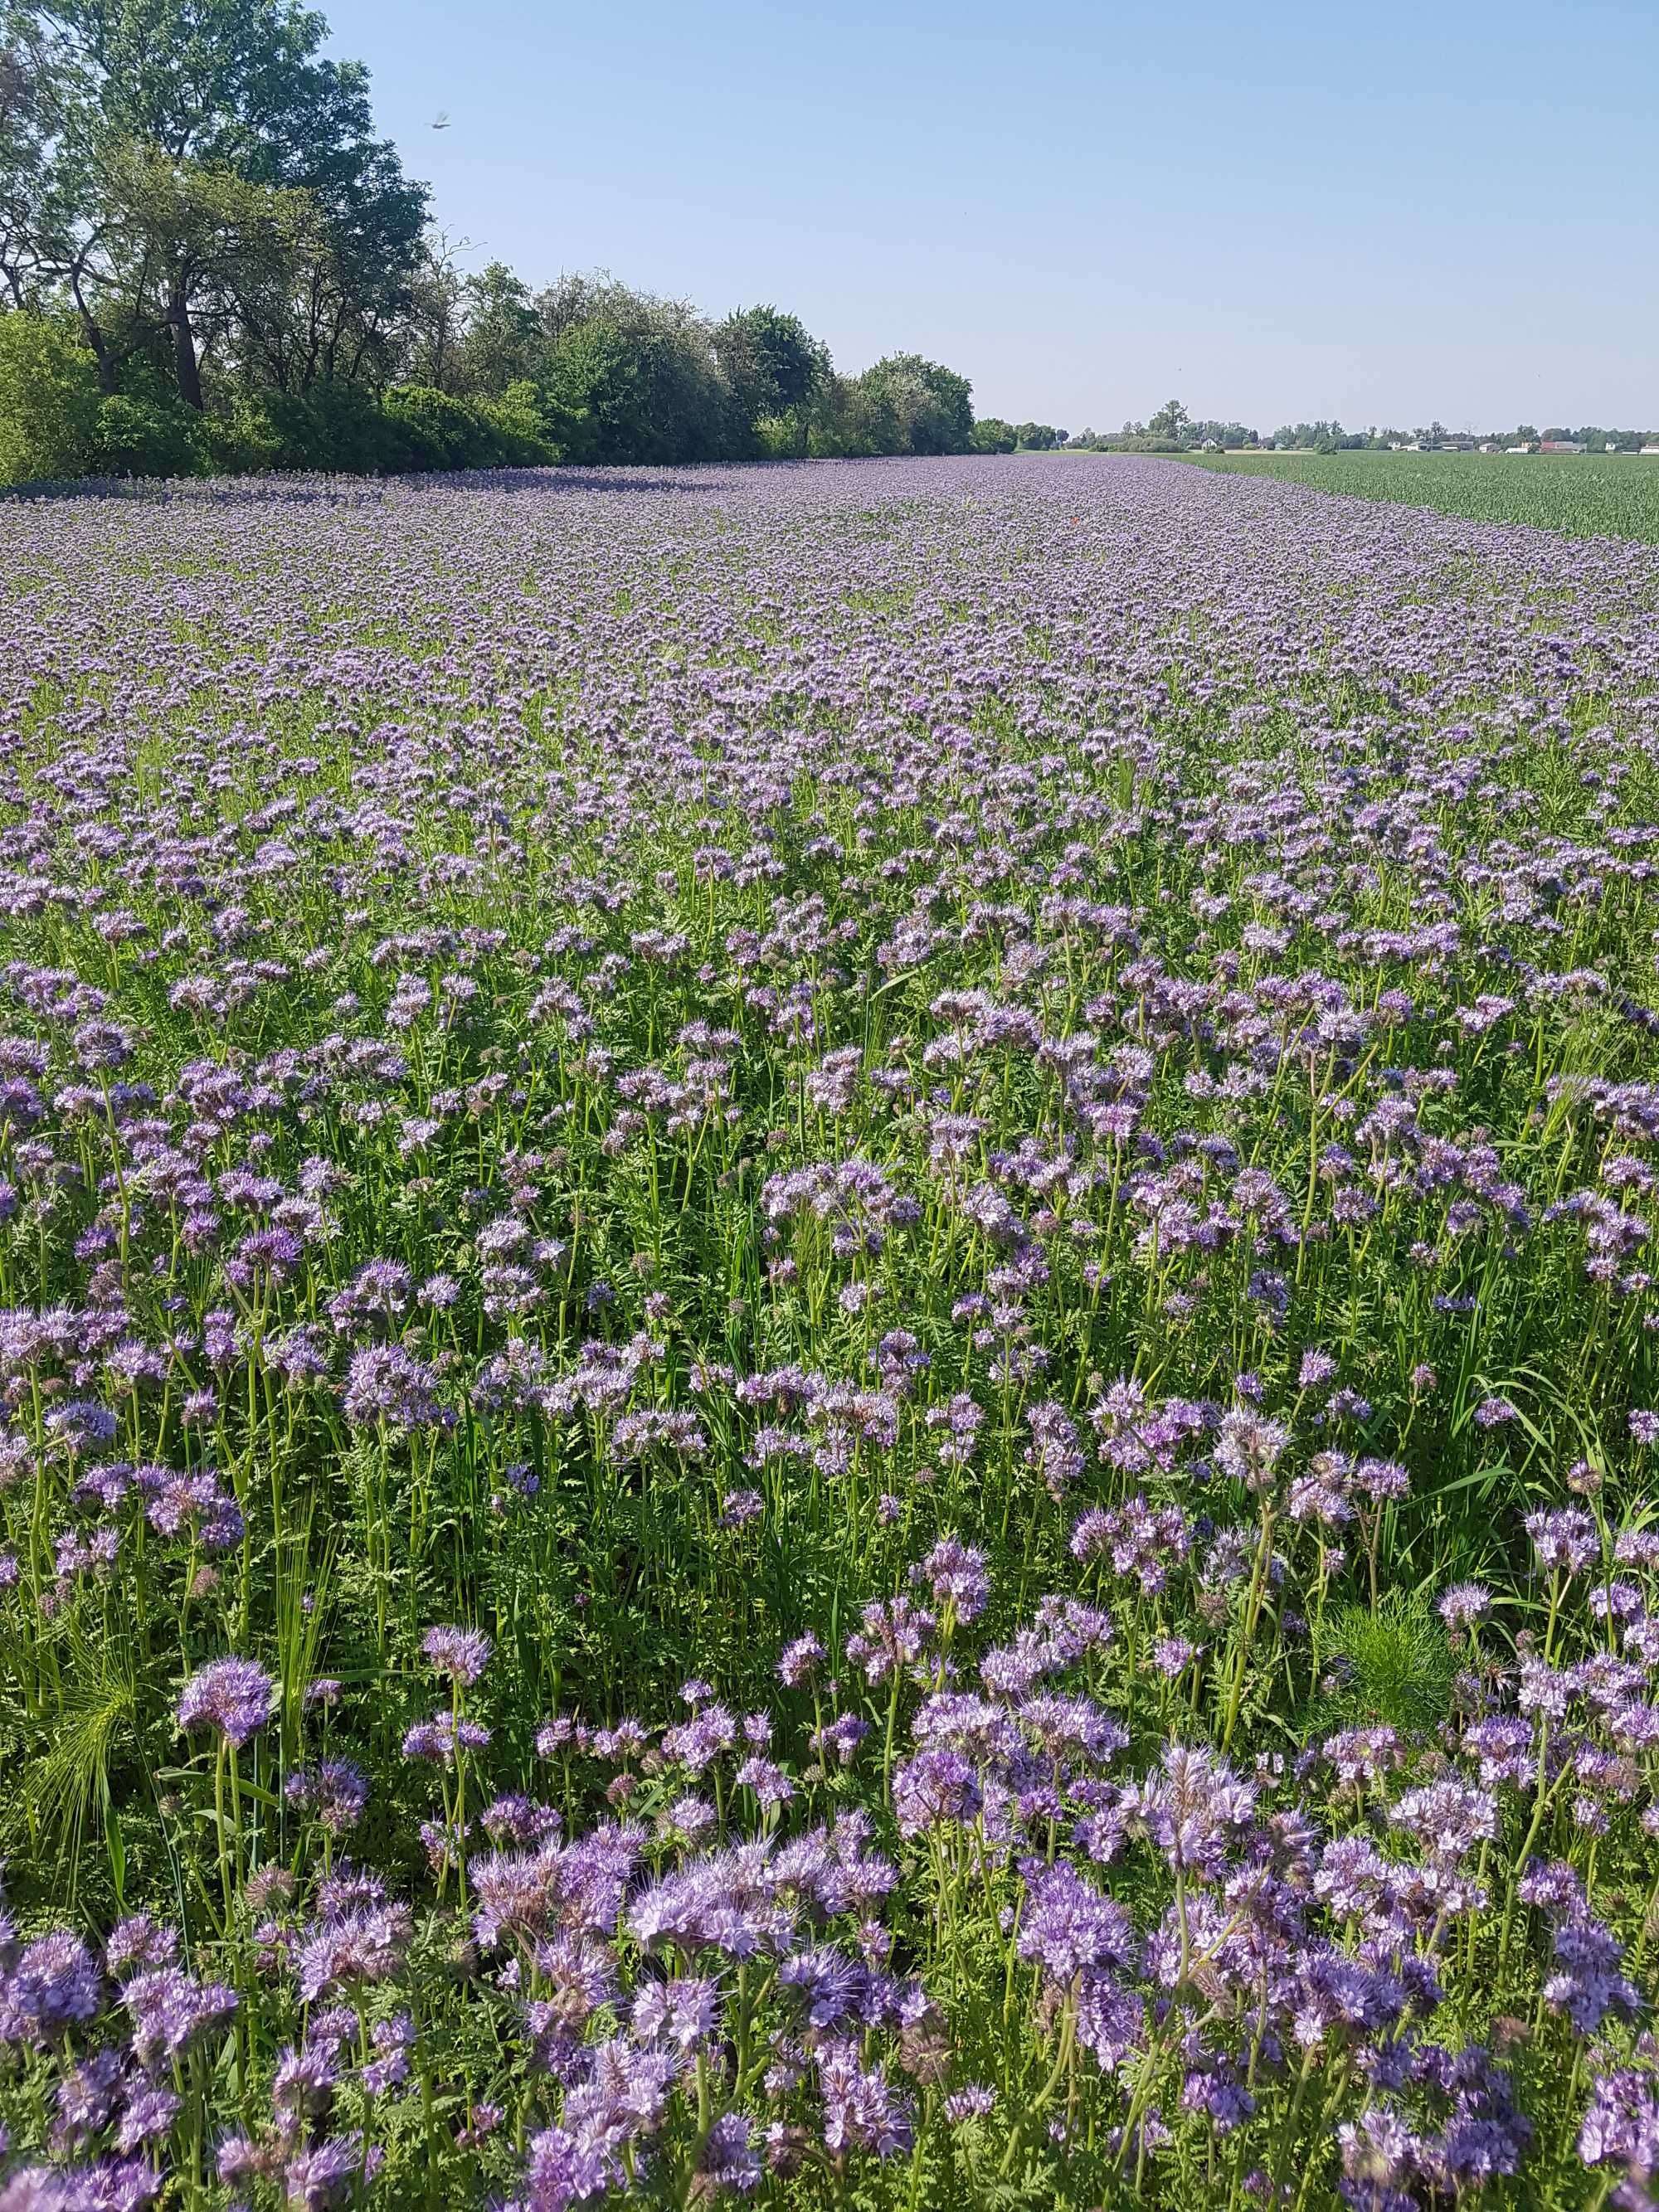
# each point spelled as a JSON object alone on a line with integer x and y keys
{"x": 594, "y": 375}
{"x": 993, "y": 435}
{"x": 773, "y": 368}
{"x": 441, "y": 432}
{"x": 639, "y": 376}
{"x": 146, "y": 437}
{"x": 903, "y": 404}
{"x": 202, "y": 171}
{"x": 336, "y": 428}
{"x": 522, "y": 425}
{"x": 504, "y": 343}
{"x": 915, "y": 406}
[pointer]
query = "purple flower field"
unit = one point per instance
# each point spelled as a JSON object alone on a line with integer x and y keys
{"x": 828, "y": 1347}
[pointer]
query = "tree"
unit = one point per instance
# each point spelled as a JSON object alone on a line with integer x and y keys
{"x": 990, "y": 434}
{"x": 503, "y": 341}
{"x": 25, "y": 136}
{"x": 593, "y": 376}
{"x": 909, "y": 405}
{"x": 224, "y": 242}
{"x": 528, "y": 431}
{"x": 135, "y": 437}
{"x": 772, "y": 366}
{"x": 646, "y": 374}
{"x": 351, "y": 287}
{"x": 442, "y": 432}
{"x": 162, "y": 112}
{"x": 195, "y": 190}
{"x": 1169, "y": 421}
{"x": 433, "y": 326}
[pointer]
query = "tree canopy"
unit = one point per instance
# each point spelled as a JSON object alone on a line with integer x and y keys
{"x": 224, "y": 265}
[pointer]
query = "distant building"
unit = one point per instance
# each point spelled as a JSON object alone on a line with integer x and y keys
{"x": 1611, "y": 447}
{"x": 1650, "y": 449}
{"x": 1488, "y": 447}
{"x": 1559, "y": 446}
{"x": 1517, "y": 449}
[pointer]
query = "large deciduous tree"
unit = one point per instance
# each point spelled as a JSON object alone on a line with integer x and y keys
{"x": 210, "y": 174}
{"x": 643, "y": 373}
{"x": 504, "y": 342}
{"x": 905, "y": 405}
{"x": 773, "y": 368}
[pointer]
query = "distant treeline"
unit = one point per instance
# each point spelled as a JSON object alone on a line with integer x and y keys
{"x": 1173, "y": 430}
{"x": 210, "y": 262}
{"x": 1332, "y": 438}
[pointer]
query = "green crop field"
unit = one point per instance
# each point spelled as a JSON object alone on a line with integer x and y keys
{"x": 1581, "y": 494}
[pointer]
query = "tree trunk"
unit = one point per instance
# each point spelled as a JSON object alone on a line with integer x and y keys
{"x": 94, "y": 337}
{"x": 185, "y": 365}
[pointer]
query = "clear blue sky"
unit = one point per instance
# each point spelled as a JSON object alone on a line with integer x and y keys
{"x": 1281, "y": 211}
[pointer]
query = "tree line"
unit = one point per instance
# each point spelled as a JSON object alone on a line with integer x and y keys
{"x": 210, "y": 262}
{"x": 1332, "y": 438}
{"x": 1171, "y": 429}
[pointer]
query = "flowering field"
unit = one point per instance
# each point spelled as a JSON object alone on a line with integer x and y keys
{"x": 828, "y": 1347}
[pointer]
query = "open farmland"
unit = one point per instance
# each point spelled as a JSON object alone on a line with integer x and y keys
{"x": 829, "y": 1344}
{"x": 1581, "y": 494}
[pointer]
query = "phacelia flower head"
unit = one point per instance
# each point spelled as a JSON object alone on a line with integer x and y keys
{"x": 457, "y": 1655}
{"x": 234, "y": 1697}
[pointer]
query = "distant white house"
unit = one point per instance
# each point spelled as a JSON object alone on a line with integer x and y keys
{"x": 1517, "y": 449}
{"x": 1611, "y": 447}
{"x": 1489, "y": 448}
{"x": 1650, "y": 449}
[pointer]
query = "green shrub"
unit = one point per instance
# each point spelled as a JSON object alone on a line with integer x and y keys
{"x": 441, "y": 432}
{"x": 779, "y": 437}
{"x": 244, "y": 441}
{"x": 48, "y": 402}
{"x": 136, "y": 437}
{"x": 990, "y": 434}
{"x": 596, "y": 380}
{"x": 519, "y": 424}
{"x": 336, "y": 428}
